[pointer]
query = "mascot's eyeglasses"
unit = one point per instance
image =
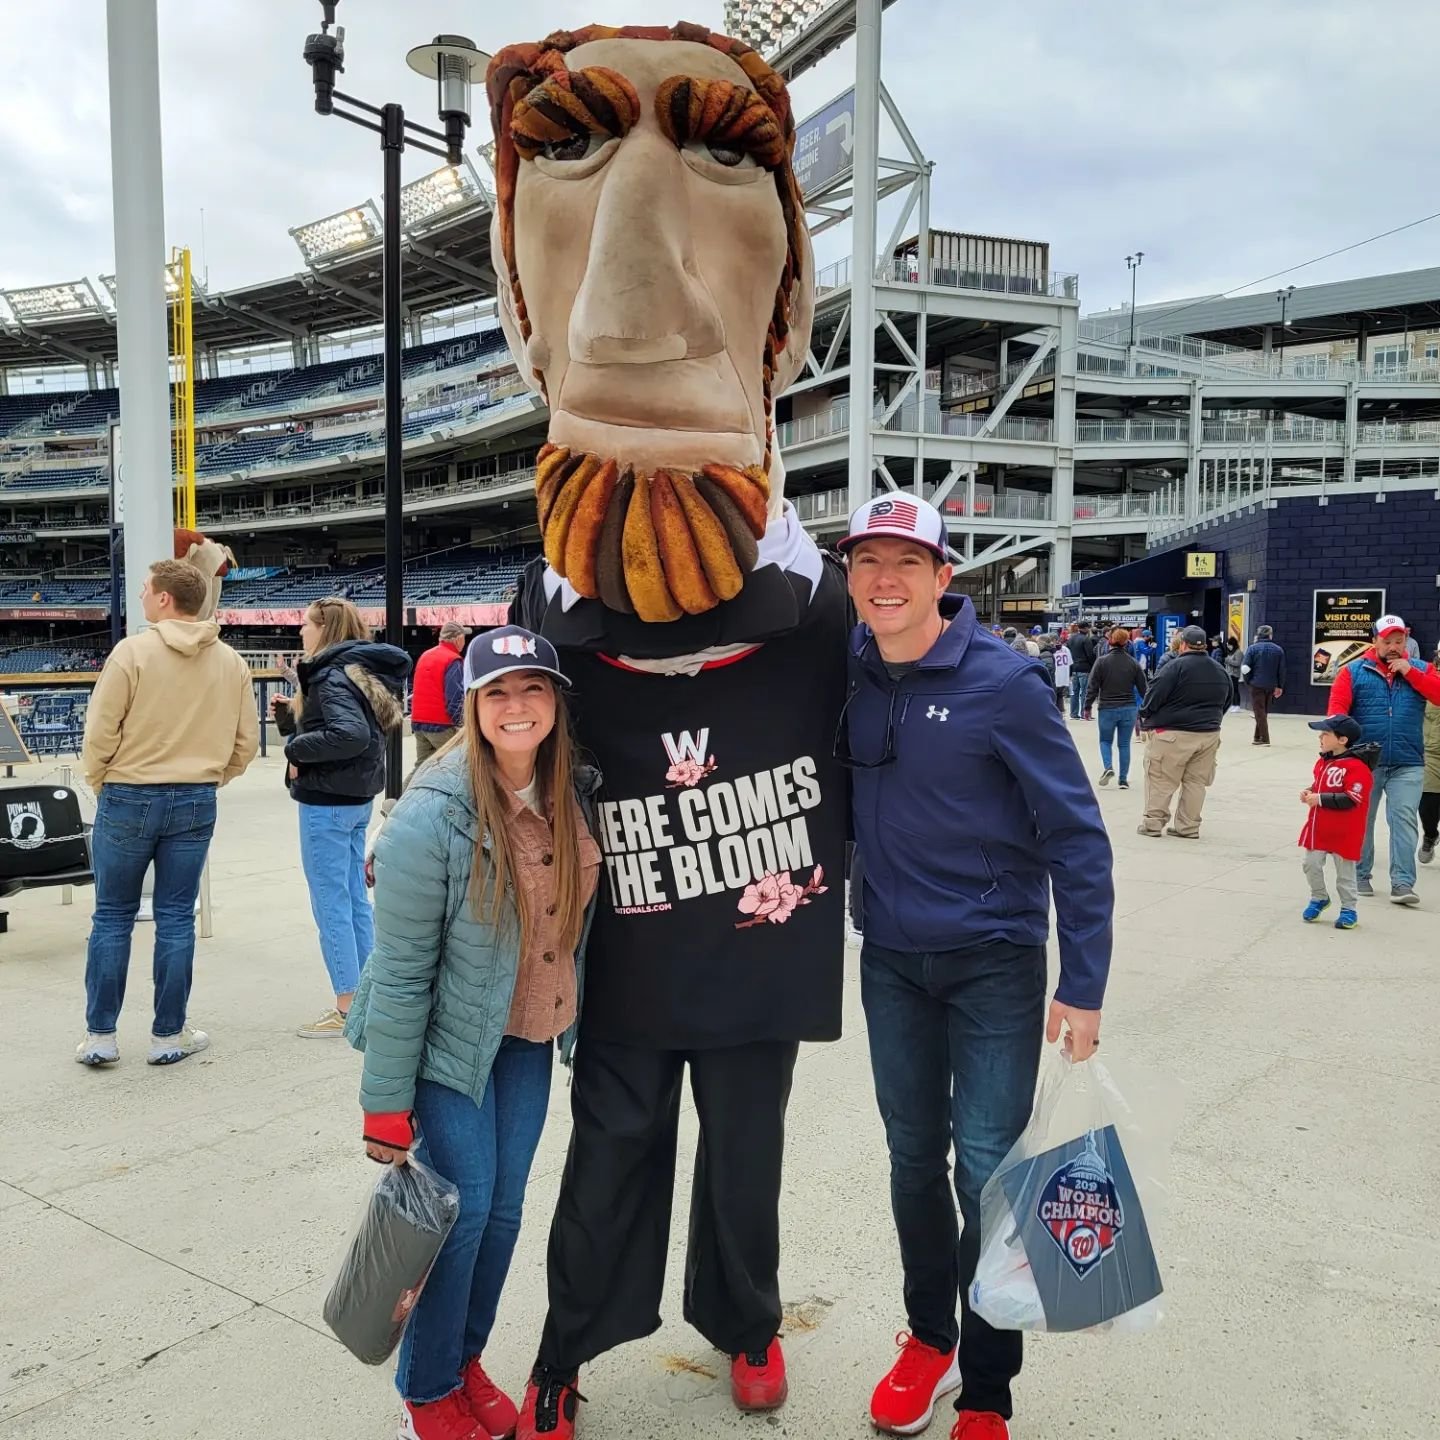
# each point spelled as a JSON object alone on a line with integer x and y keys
{"x": 840, "y": 752}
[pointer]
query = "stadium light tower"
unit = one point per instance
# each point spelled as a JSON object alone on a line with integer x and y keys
{"x": 453, "y": 63}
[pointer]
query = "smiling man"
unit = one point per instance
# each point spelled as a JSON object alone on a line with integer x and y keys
{"x": 970, "y": 804}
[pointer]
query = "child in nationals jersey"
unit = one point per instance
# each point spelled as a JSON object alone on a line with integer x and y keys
{"x": 1339, "y": 797}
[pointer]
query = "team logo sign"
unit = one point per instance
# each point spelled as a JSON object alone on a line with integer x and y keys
{"x": 1080, "y": 1210}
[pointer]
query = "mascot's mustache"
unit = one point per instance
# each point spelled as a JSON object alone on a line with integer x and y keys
{"x": 657, "y": 545}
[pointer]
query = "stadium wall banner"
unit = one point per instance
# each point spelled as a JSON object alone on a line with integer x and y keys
{"x": 424, "y": 615}
{"x": 46, "y": 612}
{"x": 1344, "y": 620}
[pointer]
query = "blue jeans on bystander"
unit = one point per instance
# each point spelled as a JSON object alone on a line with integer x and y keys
{"x": 486, "y": 1150}
{"x": 332, "y": 854}
{"x": 135, "y": 826}
{"x": 955, "y": 1048}
{"x": 1079, "y": 683}
{"x": 1117, "y": 723}
{"x": 1402, "y": 786}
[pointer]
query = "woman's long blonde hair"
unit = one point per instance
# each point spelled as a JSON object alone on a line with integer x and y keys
{"x": 339, "y": 621}
{"x": 492, "y": 881}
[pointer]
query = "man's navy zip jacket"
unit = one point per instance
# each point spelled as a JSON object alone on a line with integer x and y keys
{"x": 984, "y": 807}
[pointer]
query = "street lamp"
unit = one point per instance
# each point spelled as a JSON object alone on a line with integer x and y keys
{"x": 1283, "y": 296}
{"x": 1132, "y": 264}
{"x": 453, "y": 63}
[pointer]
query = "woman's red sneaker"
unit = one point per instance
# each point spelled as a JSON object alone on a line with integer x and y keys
{"x": 489, "y": 1404}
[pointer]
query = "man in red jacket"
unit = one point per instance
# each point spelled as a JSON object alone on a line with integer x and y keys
{"x": 438, "y": 696}
{"x": 1339, "y": 799}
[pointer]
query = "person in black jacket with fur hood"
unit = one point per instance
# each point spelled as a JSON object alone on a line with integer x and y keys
{"x": 352, "y": 692}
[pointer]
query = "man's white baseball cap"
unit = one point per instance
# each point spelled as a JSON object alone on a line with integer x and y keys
{"x": 1388, "y": 625}
{"x": 898, "y": 516}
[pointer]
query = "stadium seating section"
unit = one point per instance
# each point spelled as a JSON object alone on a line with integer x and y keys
{"x": 263, "y": 400}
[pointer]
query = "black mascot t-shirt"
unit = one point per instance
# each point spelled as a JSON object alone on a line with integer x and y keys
{"x": 723, "y": 822}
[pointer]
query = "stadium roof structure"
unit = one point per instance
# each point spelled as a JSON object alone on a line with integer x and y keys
{"x": 1380, "y": 304}
{"x": 445, "y": 263}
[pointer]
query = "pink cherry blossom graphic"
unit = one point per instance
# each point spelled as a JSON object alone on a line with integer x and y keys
{"x": 688, "y": 772}
{"x": 775, "y": 896}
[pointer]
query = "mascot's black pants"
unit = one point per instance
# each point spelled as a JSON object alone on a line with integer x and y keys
{"x": 612, "y": 1222}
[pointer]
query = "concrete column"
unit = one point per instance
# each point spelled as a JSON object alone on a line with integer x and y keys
{"x": 1352, "y": 415}
{"x": 1362, "y": 343}
{"x": 1192, "y": 468}
{"x": 1268, "y": 344}
{"x": 997, "y": 479}
{"x": 141, "y": 317}
{"x": 1063, "y": 484}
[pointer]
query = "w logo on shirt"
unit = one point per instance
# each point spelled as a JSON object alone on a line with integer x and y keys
{"x": 686, "y": 746}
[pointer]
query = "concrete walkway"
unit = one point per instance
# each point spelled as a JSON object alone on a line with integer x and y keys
{"x": 167, "y": 1235}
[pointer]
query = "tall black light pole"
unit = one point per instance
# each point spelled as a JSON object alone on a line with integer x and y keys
{"x": 453, "y": 62}
{"x": 1283, "y": 296}
{"x": 1132, "y": 264}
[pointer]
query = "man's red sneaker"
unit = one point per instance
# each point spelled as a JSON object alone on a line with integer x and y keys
{"x": 550, "y": 1405}
{"x": 489, "y": 1404}
{"x": 757, "y": 1378}
{"x": 980, "y": 1425}
{"x": 448, "y": 1418}
{"x": 904, "y": 1400}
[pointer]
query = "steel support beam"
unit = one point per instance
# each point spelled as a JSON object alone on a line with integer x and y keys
{"x": 862, "y": 266}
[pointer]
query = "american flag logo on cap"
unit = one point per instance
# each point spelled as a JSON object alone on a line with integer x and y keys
{"x": 513, "y": 645}
{"x": 893, "y": 515}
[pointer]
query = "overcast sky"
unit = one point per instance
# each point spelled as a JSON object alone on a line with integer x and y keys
{"x": 1224, "y": 138}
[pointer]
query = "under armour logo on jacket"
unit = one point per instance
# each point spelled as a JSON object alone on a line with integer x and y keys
{"x": 937, "y": 712}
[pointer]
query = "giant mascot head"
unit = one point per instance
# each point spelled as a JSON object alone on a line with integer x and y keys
{"x": 656, "y": 288}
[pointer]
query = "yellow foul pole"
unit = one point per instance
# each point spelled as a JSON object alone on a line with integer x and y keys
{"x": 182, "y": 331}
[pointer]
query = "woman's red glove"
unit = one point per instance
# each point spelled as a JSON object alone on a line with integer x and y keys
{"x": 388, "y": 1138}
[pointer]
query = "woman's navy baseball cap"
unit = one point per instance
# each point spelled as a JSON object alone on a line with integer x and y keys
{"x": 506, "y": 650}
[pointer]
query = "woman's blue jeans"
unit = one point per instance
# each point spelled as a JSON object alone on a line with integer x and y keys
{"x": 1117, "y": 723}
{"x": 332, "y": 854}
{"x": 486, "y": 1151}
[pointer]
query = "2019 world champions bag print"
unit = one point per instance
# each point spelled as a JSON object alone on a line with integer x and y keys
{"x": 1065, "y": 1241}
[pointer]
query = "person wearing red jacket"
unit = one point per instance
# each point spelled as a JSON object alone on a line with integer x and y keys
{"x": 1338, "y": 797}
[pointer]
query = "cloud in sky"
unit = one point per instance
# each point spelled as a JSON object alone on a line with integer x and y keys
{"x": 1226, "y": 140}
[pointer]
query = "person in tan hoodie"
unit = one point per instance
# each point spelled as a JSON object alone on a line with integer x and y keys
{"x": 172, "y": 719}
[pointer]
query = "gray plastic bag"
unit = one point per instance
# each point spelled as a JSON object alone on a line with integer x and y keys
{"x": 404, "y": 1224}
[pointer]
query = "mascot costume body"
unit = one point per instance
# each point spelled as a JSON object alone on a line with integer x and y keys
{"x": 657, "y": 290}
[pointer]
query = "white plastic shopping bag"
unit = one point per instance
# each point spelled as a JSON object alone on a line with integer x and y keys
{"x": 1064, "y": 1239}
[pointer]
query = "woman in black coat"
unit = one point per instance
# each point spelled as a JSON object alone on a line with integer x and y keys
{"x": 351, "y": 694}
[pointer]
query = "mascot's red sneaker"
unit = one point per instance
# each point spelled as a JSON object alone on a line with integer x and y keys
{"x": 550, "y": 1405}
{"x": 757, "y": 1378}
{"x": 488, "y": 1403}
{"x": 980, "y": 1425}
{"x": 904, "y": 1400}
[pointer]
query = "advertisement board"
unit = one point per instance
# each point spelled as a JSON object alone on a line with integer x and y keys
{"x": 1237, "y": 618}
{"x": 1343, "y": 623}
{"x": 825, "y": 144}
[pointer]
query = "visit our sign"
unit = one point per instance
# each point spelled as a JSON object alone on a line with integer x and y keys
{"x": 1343, "y": 622}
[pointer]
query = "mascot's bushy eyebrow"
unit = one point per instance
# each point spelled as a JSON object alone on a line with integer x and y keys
{"x": 574, "y": 104}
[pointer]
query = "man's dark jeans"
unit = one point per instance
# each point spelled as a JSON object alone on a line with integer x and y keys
{"x": 955, "y": 1048}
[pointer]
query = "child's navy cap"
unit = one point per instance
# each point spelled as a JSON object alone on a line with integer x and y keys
{"x": 1339, "y": 725}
